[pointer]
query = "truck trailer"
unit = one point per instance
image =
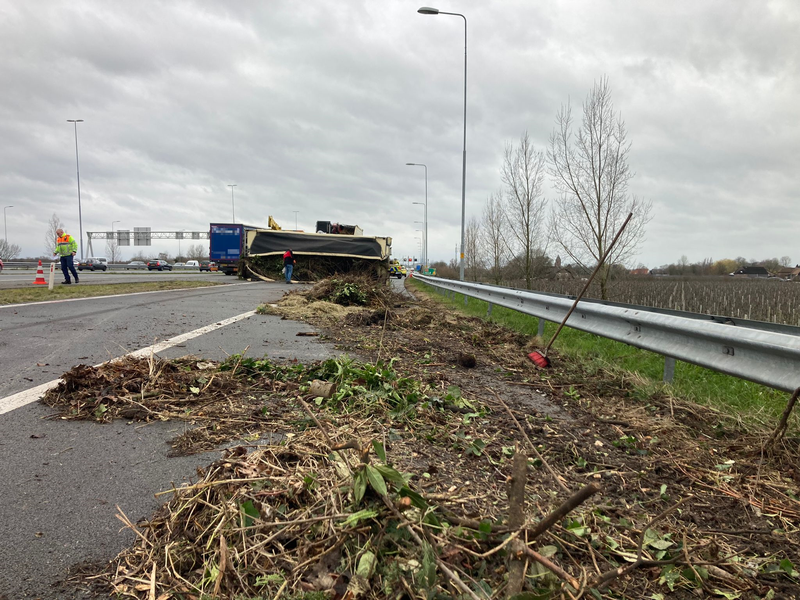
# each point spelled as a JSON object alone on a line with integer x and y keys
{"x": 234, "y": 247}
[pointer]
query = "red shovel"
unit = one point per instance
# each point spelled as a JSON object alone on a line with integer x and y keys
{"x": 540, "y": 358}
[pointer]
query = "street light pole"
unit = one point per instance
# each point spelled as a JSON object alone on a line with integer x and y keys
{"x": 295, "y": 219}
{"x": 112, "y": 225}
{"x": 5, "y": 227}
{"x": 426, "y": 259}
{"x": 233, "y": 207}
{"x": 78, "y": 169}
{"x": 425, "y": 10}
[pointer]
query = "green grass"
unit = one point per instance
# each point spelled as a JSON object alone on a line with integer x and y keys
{"x": 60, "y": 292}
{"x": 646, "y": 369}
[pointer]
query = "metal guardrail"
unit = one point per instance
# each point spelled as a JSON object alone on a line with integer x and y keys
{"x": 748, "y": 350}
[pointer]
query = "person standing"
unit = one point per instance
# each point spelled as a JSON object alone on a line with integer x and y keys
{"x": 288, "y": 265}
{"x": 66, "y": 248}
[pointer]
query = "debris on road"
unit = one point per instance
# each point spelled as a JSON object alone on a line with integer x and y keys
{"x": 418, "y": 475}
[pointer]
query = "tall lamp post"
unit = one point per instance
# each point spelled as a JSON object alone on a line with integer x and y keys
{"x": 233, "y": 207}
{"x": 426, "y": 207}
{"x": 295, "y": 219}
{"x": 426, "y": 10}
{"x": 78, "y": 169}
{"x": 113, "y": 245}
{"x": 5, "y": 227}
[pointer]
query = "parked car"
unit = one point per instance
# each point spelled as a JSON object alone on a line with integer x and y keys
{"x": 135, "y": 264}
{"x": 94, "y": 263}
{"x": 178, "y": 265}
{"x": 192, "y": 264}
{"x": 397, "y": 271}
{"x": 158, "y": 264}
{"x": 205, "y": 265}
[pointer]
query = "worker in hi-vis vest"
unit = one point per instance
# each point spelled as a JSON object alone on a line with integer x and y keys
{"x": 66, "y": 248}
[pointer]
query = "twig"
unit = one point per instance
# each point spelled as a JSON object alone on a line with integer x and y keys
{"x": 780, "y": 430}
{"x": 605, "y": 578}
{"x": 570, "y": 504}
{"x": 550, "y": 565}
{"x": 525, "y": 435}
{"x": 516, "y": 518}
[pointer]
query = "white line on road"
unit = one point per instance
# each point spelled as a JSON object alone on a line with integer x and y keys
{"x": 204, "y": 287}
{"x": 20, "y": 399}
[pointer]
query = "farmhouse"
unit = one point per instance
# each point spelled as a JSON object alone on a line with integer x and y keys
{"x": 789, "y": 272}
{"x": 751, "y": 272}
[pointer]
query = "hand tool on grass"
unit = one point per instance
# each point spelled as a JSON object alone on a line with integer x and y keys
{"x": 540, "y": 358}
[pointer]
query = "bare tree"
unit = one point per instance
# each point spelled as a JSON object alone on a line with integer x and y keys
{"x": 493, "y": 244}
{"x": 590, "y": 171}
{"x": 522, "y": 174}
{"x": 786, "y": 261}
{"x": 196, "y": 252}
{"x": 9, "y": 251}
{"x": 473, "y": 261}
{"x": 51, "y": 236}
{"x": 113, "y": 252}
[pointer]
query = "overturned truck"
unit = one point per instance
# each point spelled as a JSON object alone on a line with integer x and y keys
{"x": 242, "y": 249}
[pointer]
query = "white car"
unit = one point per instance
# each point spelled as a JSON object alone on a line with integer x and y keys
{"x": 192, "y": 264}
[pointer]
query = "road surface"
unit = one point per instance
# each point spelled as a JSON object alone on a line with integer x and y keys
{"x": 63, "y": 480}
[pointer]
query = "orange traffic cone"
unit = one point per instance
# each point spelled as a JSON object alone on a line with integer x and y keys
{"x": 40, "y": 276}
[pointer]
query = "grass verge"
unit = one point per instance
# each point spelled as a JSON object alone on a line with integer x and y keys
{"x": 61, "y": 292}
{"x": 697, "y": 384}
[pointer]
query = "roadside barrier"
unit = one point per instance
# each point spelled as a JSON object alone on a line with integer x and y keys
{"x": 765, "y": 353}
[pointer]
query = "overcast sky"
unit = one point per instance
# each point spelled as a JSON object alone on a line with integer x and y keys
{"x": 315, "y": 107}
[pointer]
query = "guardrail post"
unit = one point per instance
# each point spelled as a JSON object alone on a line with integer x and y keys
{"x": 489, "y": 310}
{"x": 669, "y": 369}
{"x": 541, "y": 327}
{"x": 466, "y": 299}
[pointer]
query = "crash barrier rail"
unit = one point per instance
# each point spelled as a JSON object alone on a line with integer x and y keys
{"x": 765, "y": 353}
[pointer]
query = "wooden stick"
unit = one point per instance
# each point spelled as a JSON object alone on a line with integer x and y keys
{"x": 550, "y": 565}
{"x": 588, "y": 281}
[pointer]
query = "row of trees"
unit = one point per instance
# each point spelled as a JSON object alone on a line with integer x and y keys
{"x": 588, "y": 167}
{"x": 724, "y": 266}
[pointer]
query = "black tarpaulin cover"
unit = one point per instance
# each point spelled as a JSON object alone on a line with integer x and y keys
{"x": 266, "y": 243}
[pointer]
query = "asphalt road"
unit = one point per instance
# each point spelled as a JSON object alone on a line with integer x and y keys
{"x": 22, "y": 278}
{"x": 63, "y": 480}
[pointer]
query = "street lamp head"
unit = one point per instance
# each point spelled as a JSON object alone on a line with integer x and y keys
{"x": 427, "y": 10}
{"x": 422, "y": 203}
{"x": 74, "y": 120}
{"x": 411, "y": 164}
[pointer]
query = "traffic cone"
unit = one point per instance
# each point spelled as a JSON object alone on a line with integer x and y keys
{"x": 40, "y": 276}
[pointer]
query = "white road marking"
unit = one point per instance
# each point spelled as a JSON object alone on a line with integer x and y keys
{"x": 204, "y": 287}
{"x": 20, "y": 399}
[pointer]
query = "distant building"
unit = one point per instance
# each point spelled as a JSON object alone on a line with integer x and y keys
{"x": 789, "y": 272}
{"x": 751, "y": 272}
{"x": 644, "y": 271}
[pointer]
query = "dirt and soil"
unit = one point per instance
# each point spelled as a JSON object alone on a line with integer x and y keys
{"x": 397, "y": 486}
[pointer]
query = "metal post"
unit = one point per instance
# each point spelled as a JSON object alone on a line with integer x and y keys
{"x": 669, "y": 369}
{"x": 78, "y": 170}
{"x": 233, "y": 206}
{"x": 425, "y": 258}
{"x": 489, "y": 310}
{"x": 541, "y": 327}
{"x": 435, "y": 11}
{"x": 295, "y": 219}
{"x": 5, "y": 227}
